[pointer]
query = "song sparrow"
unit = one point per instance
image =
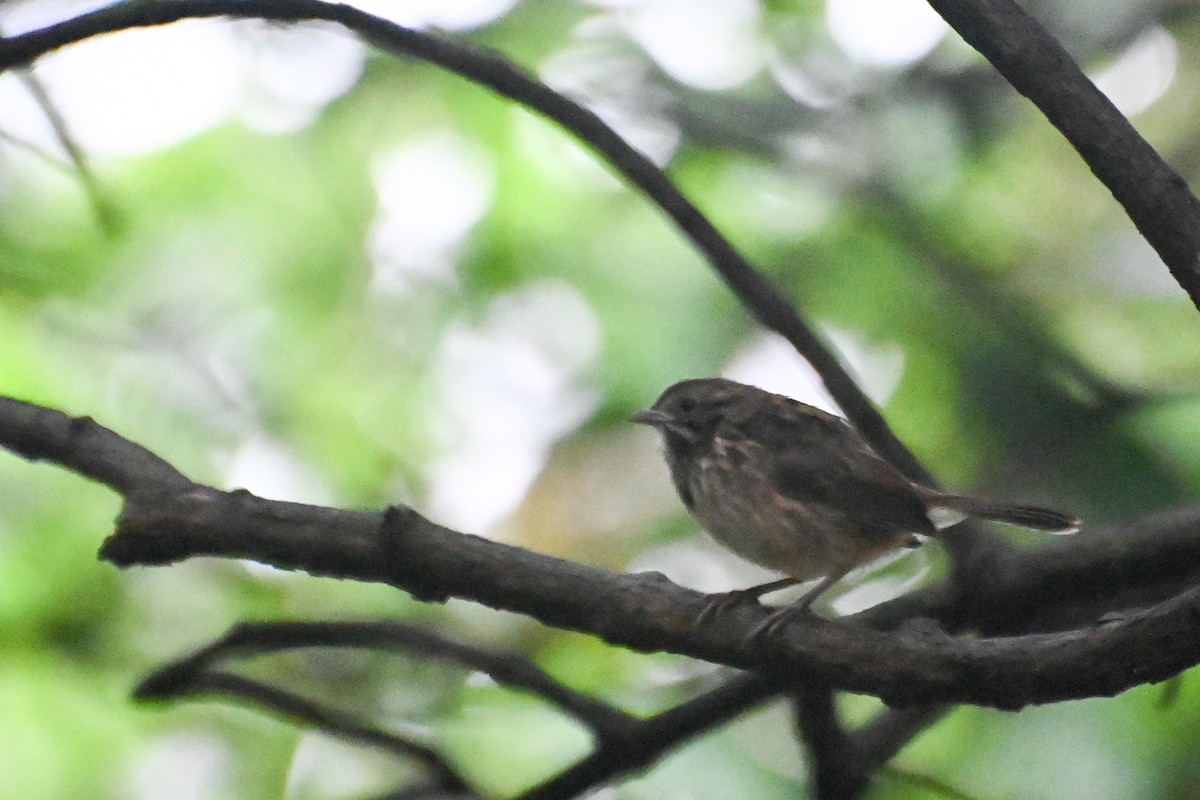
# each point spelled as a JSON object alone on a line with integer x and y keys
{"x": 797, "y": 490}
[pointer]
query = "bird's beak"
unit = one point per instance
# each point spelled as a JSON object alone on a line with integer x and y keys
{"x": 651, "y": 416}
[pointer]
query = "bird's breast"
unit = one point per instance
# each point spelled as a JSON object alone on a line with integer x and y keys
{"x": 737, "y": 506}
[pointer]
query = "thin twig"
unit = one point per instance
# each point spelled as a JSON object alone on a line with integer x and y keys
{"x": 104, "y": 210}
{"x": 291, "y": 706}
{"x": 36, "y": 150}
{"x": 645, "y": 741}
{"x": 507, "y": 669}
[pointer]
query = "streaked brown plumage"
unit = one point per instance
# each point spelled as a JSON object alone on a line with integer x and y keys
{"x": 797, "y": 490}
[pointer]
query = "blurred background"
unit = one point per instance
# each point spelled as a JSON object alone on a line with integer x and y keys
{"x": 296, "y": 266}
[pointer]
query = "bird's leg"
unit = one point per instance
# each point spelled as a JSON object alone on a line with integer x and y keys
{"x": 725, "y": 600}
{"x": 782, "y": 616}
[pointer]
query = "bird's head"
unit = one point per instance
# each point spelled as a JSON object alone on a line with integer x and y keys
{"x": 689, "y": 412}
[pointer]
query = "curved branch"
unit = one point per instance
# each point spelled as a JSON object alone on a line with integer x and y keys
{"x": 1154, "y": 195}
{"x": 623, "y": 743}
{"x": 225, "y": 685}
{"x": 759, "y": 295}
{"x": 507, "y": 669}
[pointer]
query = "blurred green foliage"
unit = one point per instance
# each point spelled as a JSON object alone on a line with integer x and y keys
{"x": 244, "y": 324}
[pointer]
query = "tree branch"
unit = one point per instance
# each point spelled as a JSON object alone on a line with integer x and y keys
{"x": 643, "y": 612}
{"x": 105, "y": 212}
{"x": 645, "y": 741}
{"x": 835, "y": 757}
{"x": 623, "y": 743}
{"x": 507, "y": 669}
{"x": 38, "y": 433}
{"x": 1065, "y": 583}
{"x": 1154, "y": 195}
{"x": 844, "y": 762}
{"x": 286, "y": 704}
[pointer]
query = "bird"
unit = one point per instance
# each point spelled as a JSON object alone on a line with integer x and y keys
{"x": 797, "y": 490}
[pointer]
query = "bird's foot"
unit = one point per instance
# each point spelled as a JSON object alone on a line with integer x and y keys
{"x": 776, "y": 621}
{"x": 782, "y": 617}
{"x": 719, "y": 603}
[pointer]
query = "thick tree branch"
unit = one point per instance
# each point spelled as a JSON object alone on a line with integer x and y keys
{"x": 643, "y": 612}
{"x": 1154, "y": 195}
{"x": 650, "y": 613}
{"x": 1065, "y": 583}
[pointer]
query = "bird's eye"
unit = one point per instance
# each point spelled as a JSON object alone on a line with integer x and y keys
{"x": 687, "y": 404}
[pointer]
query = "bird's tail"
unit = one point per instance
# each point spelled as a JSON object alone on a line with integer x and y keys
{"x": 948, "y": 509}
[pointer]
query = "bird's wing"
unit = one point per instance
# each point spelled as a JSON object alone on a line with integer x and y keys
{"x": 818, "y": 459}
